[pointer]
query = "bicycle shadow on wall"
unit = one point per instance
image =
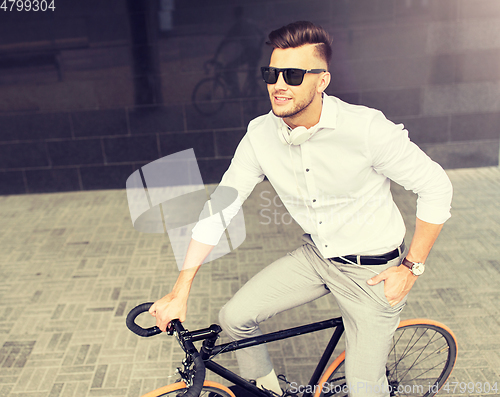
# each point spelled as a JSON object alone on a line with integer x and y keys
{"x": 233, "y": 72}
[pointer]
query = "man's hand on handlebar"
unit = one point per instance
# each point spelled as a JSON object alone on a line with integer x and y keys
{"x": 168, "y": 308}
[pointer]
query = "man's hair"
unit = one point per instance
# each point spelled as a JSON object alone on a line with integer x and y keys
{"x": 300, "y": 33}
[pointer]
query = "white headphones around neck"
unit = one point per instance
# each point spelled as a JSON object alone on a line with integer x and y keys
{"x": 297, "y": 136}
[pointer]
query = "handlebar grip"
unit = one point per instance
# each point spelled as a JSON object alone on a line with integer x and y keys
{"x": 136, "y": 329}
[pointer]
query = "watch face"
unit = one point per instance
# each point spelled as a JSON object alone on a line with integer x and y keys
{"x": 418, "y": 269}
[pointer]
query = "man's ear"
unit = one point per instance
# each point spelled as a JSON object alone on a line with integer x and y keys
{"x": 324, "y": 82}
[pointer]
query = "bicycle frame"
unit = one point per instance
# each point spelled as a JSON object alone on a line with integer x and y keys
{"x": 211, "y": 352}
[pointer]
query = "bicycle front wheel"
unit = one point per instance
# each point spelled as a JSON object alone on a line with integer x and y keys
{"x": 421, "y": 359}
{"x": 210, "y": 389}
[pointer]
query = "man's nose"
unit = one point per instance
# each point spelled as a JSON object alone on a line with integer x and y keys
{"x": 280, "y": 83}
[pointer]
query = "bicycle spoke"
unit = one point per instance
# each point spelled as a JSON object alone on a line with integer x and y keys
{"x": 406, "y": 354}
{"x": 405, "y": 351}
{"x": 430, "y": 369}
{"x": 431, "y": 354}
{"x": 421, "y": 351}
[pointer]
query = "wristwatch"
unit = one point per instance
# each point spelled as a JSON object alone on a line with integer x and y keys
{"x": 416, "y": 268}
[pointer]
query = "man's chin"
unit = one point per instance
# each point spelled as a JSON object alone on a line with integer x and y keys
{"x": 282, "y": 112}
{"x": 277, "y": 114}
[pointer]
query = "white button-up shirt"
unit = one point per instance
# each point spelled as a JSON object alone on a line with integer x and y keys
{"x": 336, "y": 185}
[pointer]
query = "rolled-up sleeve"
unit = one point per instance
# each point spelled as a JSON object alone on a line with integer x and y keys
{"x": 399, "y": 159}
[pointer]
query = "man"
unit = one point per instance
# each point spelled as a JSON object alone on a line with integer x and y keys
{"x": 331, "y": 164}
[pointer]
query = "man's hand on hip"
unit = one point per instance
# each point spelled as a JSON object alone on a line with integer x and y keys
{"x": 398, "y": 281}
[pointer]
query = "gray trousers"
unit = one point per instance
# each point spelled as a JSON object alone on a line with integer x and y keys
{"x": 300, "y": 277}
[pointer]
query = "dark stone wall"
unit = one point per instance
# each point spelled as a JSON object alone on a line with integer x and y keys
{"x": 94, "y": 90}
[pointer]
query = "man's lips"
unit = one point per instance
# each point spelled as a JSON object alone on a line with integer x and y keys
{"x": 281, "y": 99}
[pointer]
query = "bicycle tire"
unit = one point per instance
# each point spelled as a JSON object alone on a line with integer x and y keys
{"x": 210, "y": 389}
{"x": 209, "y": 96}
{"x": 417, "y": 364}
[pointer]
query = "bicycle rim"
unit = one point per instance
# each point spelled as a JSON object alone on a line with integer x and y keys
{"x": 421, "y": 359}
{"x": 210, "y": 389}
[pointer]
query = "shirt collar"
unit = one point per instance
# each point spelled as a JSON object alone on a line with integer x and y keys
{"x": 328, "y": 118}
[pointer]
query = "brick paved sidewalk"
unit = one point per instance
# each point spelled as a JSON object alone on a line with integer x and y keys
{"x": 72, "y": 266}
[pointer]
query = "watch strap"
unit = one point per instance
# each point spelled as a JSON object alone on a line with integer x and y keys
{"x": 415, "y": 267}
{"x": 408, "y": 264}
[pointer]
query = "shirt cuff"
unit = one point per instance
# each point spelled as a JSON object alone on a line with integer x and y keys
{"x": 433, "y": 214}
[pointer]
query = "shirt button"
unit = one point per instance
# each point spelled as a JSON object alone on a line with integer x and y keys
{"x": 314, "y": 200}
{"x": 320, "y": 222}
{"x": 326, "y": 246}
{"x": 307, "y": 169}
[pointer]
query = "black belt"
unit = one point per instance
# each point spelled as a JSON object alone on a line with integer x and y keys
{"x": 371, "y": 259}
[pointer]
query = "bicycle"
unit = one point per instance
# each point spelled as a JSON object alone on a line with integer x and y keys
{"x": 211, "y": 93}
{"x": 421, "y": 359}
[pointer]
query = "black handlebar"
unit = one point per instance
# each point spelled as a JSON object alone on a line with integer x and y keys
{"x": 136, "y": 329}
{"x": 199, "y": 378}
{"x": 185, "y": 339}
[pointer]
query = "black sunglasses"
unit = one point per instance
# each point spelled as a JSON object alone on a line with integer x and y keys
{"x": 291, "y": 76}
